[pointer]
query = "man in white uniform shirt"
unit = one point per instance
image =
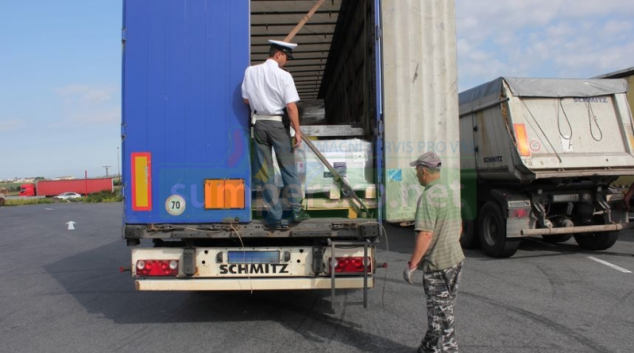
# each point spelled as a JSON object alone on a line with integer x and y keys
{"x": 271, "y": 94}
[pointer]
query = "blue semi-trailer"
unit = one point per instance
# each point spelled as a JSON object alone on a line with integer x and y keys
{"x": 186, "y": 142}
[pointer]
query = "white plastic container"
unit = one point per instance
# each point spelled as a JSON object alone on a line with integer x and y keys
{"x": 352, "y": 158}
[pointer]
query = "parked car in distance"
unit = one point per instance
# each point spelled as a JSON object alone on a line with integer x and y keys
{"x": 67, "y": 196}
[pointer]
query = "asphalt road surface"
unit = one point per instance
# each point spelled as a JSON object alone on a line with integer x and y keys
{"x": 61, "y": 291}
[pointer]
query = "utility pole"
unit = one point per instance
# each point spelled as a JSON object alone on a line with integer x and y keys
{"x": 106, "y": 166}
{"x": 118, "y": 166}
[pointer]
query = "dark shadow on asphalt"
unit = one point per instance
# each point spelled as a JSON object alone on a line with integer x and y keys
{"x": 94, "y": 280}
{"x": 568, "y": 248}
{"x": 548, "y": 250}
{"x": 401, "y": 240}
{"x": 626, "y": 237}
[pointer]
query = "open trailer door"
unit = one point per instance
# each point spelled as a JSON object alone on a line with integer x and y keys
{"x": 420, "y": 97}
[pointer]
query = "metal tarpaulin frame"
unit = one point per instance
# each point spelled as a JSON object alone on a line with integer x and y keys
{"x": 557, "y": 87}
{"x": 490, "y": 93}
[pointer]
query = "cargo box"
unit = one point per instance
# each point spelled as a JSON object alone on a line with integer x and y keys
{"x": 352, "y": 159}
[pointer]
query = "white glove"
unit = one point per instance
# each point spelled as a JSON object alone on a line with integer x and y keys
{"x": 407, "y": 273}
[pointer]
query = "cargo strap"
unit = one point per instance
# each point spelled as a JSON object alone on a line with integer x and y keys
{"x": 341, "y": 182}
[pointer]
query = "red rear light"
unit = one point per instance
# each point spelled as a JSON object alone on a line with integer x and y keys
{"x": 157, "y": 267}
{"x": 520, "y": 213}
{"x": 350, "y": 264}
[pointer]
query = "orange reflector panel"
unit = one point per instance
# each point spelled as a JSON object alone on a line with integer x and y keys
{"x": 224, "y": 194}
{"x": 234, "y": 193}
{"x": 141, "y": 181}
{"x": 522, "y": 140}
{"x": 214, "y": 194}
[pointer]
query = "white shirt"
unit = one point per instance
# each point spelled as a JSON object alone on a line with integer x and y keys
{"x": 268, "y": 88}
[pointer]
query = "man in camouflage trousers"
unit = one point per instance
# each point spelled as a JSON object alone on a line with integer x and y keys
{"x": 437, "y": 253}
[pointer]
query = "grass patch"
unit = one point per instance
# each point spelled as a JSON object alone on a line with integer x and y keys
{"x": 29, "y": 201}
{"x": 103, "y": 196}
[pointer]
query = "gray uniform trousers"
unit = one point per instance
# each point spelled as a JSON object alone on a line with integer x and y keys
{"x": 441, "y": 289}
{"x": 273, "y": 134}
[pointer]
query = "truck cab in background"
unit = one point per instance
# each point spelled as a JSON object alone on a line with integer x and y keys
{"x": 27, "y": 190}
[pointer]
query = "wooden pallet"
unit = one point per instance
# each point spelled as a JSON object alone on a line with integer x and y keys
{"x": 320, "y": 204}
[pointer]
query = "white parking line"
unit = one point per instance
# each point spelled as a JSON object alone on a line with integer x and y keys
{"x": 609, "y": 265}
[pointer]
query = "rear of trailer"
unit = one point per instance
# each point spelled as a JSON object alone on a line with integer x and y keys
{"x": 80, "y": 186}
{"x": 542, "y": 154}
{"x": 383, "y": 78}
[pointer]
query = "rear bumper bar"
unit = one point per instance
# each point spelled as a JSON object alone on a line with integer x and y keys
{"x": 581, "y": 229}
{"x": 239, "y": 284}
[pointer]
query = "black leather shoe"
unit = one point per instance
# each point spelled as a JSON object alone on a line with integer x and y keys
{"x": 277, "y": 226}
{"x": 301, "y": 216}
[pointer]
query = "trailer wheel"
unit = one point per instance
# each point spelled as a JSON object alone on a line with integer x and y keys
{"x": 596, "y": 241}
{"x": 559, "y": 238}
{"x": 469, "y": 236}
{"x": 493, "y": 232}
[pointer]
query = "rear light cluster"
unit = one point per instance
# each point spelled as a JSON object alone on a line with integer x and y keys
{"x": 157, "y": 267}
{"x": 519, "y": 213}
{"x": 522, "y": 140}
{"x": 349, "y": 264}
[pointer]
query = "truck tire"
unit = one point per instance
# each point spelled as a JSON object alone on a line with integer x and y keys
{"x": 559, "y": 238}
{"x": 492, "y": 231}
{"x": 469, "y": 237}
{"x": 596, "y": 241}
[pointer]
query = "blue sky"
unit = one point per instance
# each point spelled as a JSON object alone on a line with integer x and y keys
{"x": 60, "y": 87}
{"x": 60, "y": 68}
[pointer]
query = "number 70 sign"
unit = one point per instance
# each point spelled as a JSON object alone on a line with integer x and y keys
{"x": 175, "y": 205}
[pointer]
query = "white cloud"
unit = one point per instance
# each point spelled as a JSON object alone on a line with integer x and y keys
{"x": 617, "y": 28}
{"x": 11, "y": 124}
{"x": 504, "y": 38}
{"x": 542, "y": 38}
{"x": 514, "y": 14}
{"x": 88, "y": 94}
{"x": 84, "y": 104}
{"x": 559, "y": 31}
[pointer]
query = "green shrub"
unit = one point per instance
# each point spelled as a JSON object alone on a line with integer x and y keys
{"x": 103, "y": 196}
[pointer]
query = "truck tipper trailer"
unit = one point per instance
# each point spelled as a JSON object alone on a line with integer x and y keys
{"x": 538, "y": 156}
{"x": 384, "y": 72}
